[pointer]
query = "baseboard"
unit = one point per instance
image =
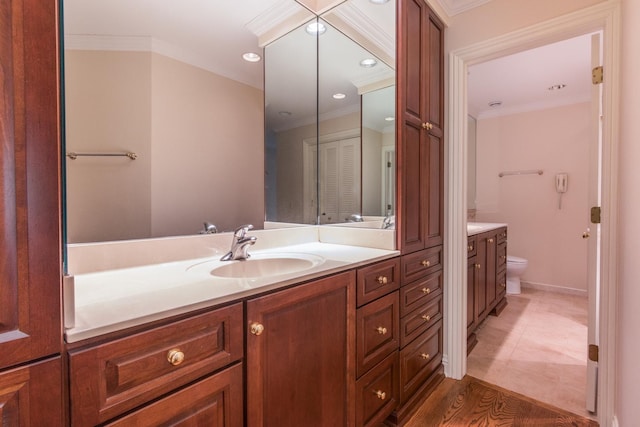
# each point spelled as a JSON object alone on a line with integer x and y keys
{"x": 553, "y": 288}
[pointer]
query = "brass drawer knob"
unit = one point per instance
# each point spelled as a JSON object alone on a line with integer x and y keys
{"x": 504, "y": 285}
{"x": 257, "y": 328}
{"x": 425, "y": 263}
{"x": 427, "y": 126}
{"x": 490, "y": 240}
{"x": 426, "y": 317}
{"x": 381, "y": 330}
{"x": 477, "y": 266}
{"x": 426, "y": 290}
{"x": 470, "y": 247}
{"x": 503, "y": 257}
{"x": 175, "y": 357}
{"x": 382, "y": 280}
{"x": 425, "y": 356}
{"x": 380, "y": 394}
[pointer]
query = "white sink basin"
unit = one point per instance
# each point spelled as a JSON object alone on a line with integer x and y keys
{"x": 261, "y": 265}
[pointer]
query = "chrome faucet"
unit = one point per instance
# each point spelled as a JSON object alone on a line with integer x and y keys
{"x": 387, "y": 222}
{"x": 209, "y": 228}
{"x": 240, "y": 244}
{"x": 354, "y": 218}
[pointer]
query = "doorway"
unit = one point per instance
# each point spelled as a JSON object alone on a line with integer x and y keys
{"x": 603, "y": 18}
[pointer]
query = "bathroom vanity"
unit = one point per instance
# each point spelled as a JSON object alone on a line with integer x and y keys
{"x": 486, "y": 275}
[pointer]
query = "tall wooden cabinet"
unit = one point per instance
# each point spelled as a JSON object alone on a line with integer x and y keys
{"x": 30, "y": 301}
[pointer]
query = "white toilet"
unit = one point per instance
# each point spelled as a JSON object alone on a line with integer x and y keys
{"x": 515, "y": 268}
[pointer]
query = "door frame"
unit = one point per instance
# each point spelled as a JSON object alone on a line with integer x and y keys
{"x": 603, "y": 17}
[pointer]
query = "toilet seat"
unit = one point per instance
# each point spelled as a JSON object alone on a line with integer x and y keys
{"x": 515, "y": 260}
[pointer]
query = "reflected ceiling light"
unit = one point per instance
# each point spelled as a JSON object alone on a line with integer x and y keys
{"x": 316, "y": 28}
{"x": 379, "y": 1}
{"x": 557, "y": 87}
{"x": 389, "y": 119}
{"x": 368, "y": 63}
{"x": 251, "y": 57}
{"x": 339, "y": 96}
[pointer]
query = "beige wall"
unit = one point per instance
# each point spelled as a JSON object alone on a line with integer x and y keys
{"x": 198, "y": 136}
{"x": 549, "y": 237}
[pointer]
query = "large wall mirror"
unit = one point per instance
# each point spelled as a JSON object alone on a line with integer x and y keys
{"x": 330, "y": 148}
{"x": 169, "y": 84}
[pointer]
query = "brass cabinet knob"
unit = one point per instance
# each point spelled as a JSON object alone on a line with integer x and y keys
{"x": 426, "y": 317}
{"x": 503, "y": 285}
{"x": 380, "y": 394}
{"x": 175, "y": 357}
{"x": 503, "y": 257}
{"x": 477, "y": 266}
{"x": 426, "y": 290}
{"x": 427, "y": 126}
{"x": 425, "y": 356}
{"x": 490, "y": 240}
{"x": 425, "y": 263}
{"x": 382, "y": 280}
{"x": 381, "y": 330}
{"x": 470, "y": 247}
{"x": 257, "y": 328}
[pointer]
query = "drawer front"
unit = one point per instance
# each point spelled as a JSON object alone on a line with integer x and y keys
{"x": 472, "y": 248}
{"x": 501, "y": 257}
{"x": 501, "y": 284}
{"x": 378, "y": 330}
{"x": 418, "y": 293}
{"x": 419, "y": 360}
{"x": 419, "y": 264}
{"x": 216, "y": 400}
{"x": 377, "y": 392}
{"x": 418, "y": 321}
{"x": 502, "y": 235}
{"x": 109, "y": 379}
{"x": 377, "y": 280}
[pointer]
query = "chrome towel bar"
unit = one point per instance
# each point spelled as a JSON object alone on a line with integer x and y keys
{"x": 73, "y": 155}
{"x": 525, "y": 172}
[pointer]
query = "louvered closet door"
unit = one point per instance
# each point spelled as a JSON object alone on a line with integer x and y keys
{"x": 340, "y": 186}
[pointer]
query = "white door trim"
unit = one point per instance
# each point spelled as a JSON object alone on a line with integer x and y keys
{"x": 606, "y": 17}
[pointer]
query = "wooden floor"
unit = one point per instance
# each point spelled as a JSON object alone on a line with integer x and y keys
{"x": 472, "y": 402}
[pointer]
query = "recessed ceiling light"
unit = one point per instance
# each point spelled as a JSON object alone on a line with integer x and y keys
{"x": 379, "y": 1}
{"x": 339, "y": 96}
{"x": 494, "y": 104}
{"x": 316, "y": 28}
{"x": 251, "y": 57}
{"x": 557, "y": 87}
{"x": 389, "y": 119}
{"x": 368, "y": 63}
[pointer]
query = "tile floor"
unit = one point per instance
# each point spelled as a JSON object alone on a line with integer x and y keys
{"x": 536, "y": 347}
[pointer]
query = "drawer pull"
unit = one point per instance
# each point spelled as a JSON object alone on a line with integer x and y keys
{"x": 380, "y": 394}
{"x": 470, "y": 247}
{"x": 426, "y": 317}
{"x": 425, "y": 356}
{"x": 382, "y": 280}
{"x": 427, "y": 126}
{"x": 504, "y": 285}
{"x": 175, "y": 357}
{"x": 477, "y": 266}
{"x": 256, "y": 328}
{"x": 426, "y": 290}
{"x": 381, "y": 330}
{"x": 490, "y": 240}
{"x": 503, "y": 257}
{"x": 425, "y": 263}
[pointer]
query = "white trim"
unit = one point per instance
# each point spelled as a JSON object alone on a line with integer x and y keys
{"x": 604, "y": 16}
{"x": 553, "y": 288}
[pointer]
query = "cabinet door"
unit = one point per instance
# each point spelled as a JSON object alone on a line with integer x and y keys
{"x": 31, "y": 395}
{"x": 30, "y": 323}
{"x": 472, "y": 278}
{"x": 490, "y": 272}
{"x": 301, "y": 355}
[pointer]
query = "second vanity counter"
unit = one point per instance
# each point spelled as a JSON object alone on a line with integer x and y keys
{"x": 115, "y": 299}
{"x": 474, "y": 228}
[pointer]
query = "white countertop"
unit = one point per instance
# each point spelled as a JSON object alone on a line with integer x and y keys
{"x": 474, "y": 228}
{"x": 107, "y": 301}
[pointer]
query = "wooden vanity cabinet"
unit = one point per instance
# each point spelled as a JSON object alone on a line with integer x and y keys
{"x": 111, "y": 378}
{"x": 30, "y": 220}
{"x": 300, "y": 356}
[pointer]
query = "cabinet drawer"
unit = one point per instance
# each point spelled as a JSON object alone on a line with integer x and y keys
{"x": 377, "y": 332}
{"x": 418, "y": 293}
{"x": 216, "y": 400}
{"x": 377, "y": 392}
{"x": 502, "y": 235}
{"x": 418, "y": 321}
{"x": 501, "y": 284}
{"x": 419, "y": 360}
{"x": 109, "y": 379}
{"x": 501, "y": 257}
{"x": 472, "y": 248}
{"x": 377, "y": 280}
{"x": 419, "y": 264}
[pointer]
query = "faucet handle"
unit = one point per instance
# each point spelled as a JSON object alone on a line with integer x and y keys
{"x": 242, "y": 230}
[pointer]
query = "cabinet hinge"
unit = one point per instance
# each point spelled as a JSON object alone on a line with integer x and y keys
{"x": 596, "y": 215}
{"x": 597, "y": 75}
{"x": 593, "y": 352}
